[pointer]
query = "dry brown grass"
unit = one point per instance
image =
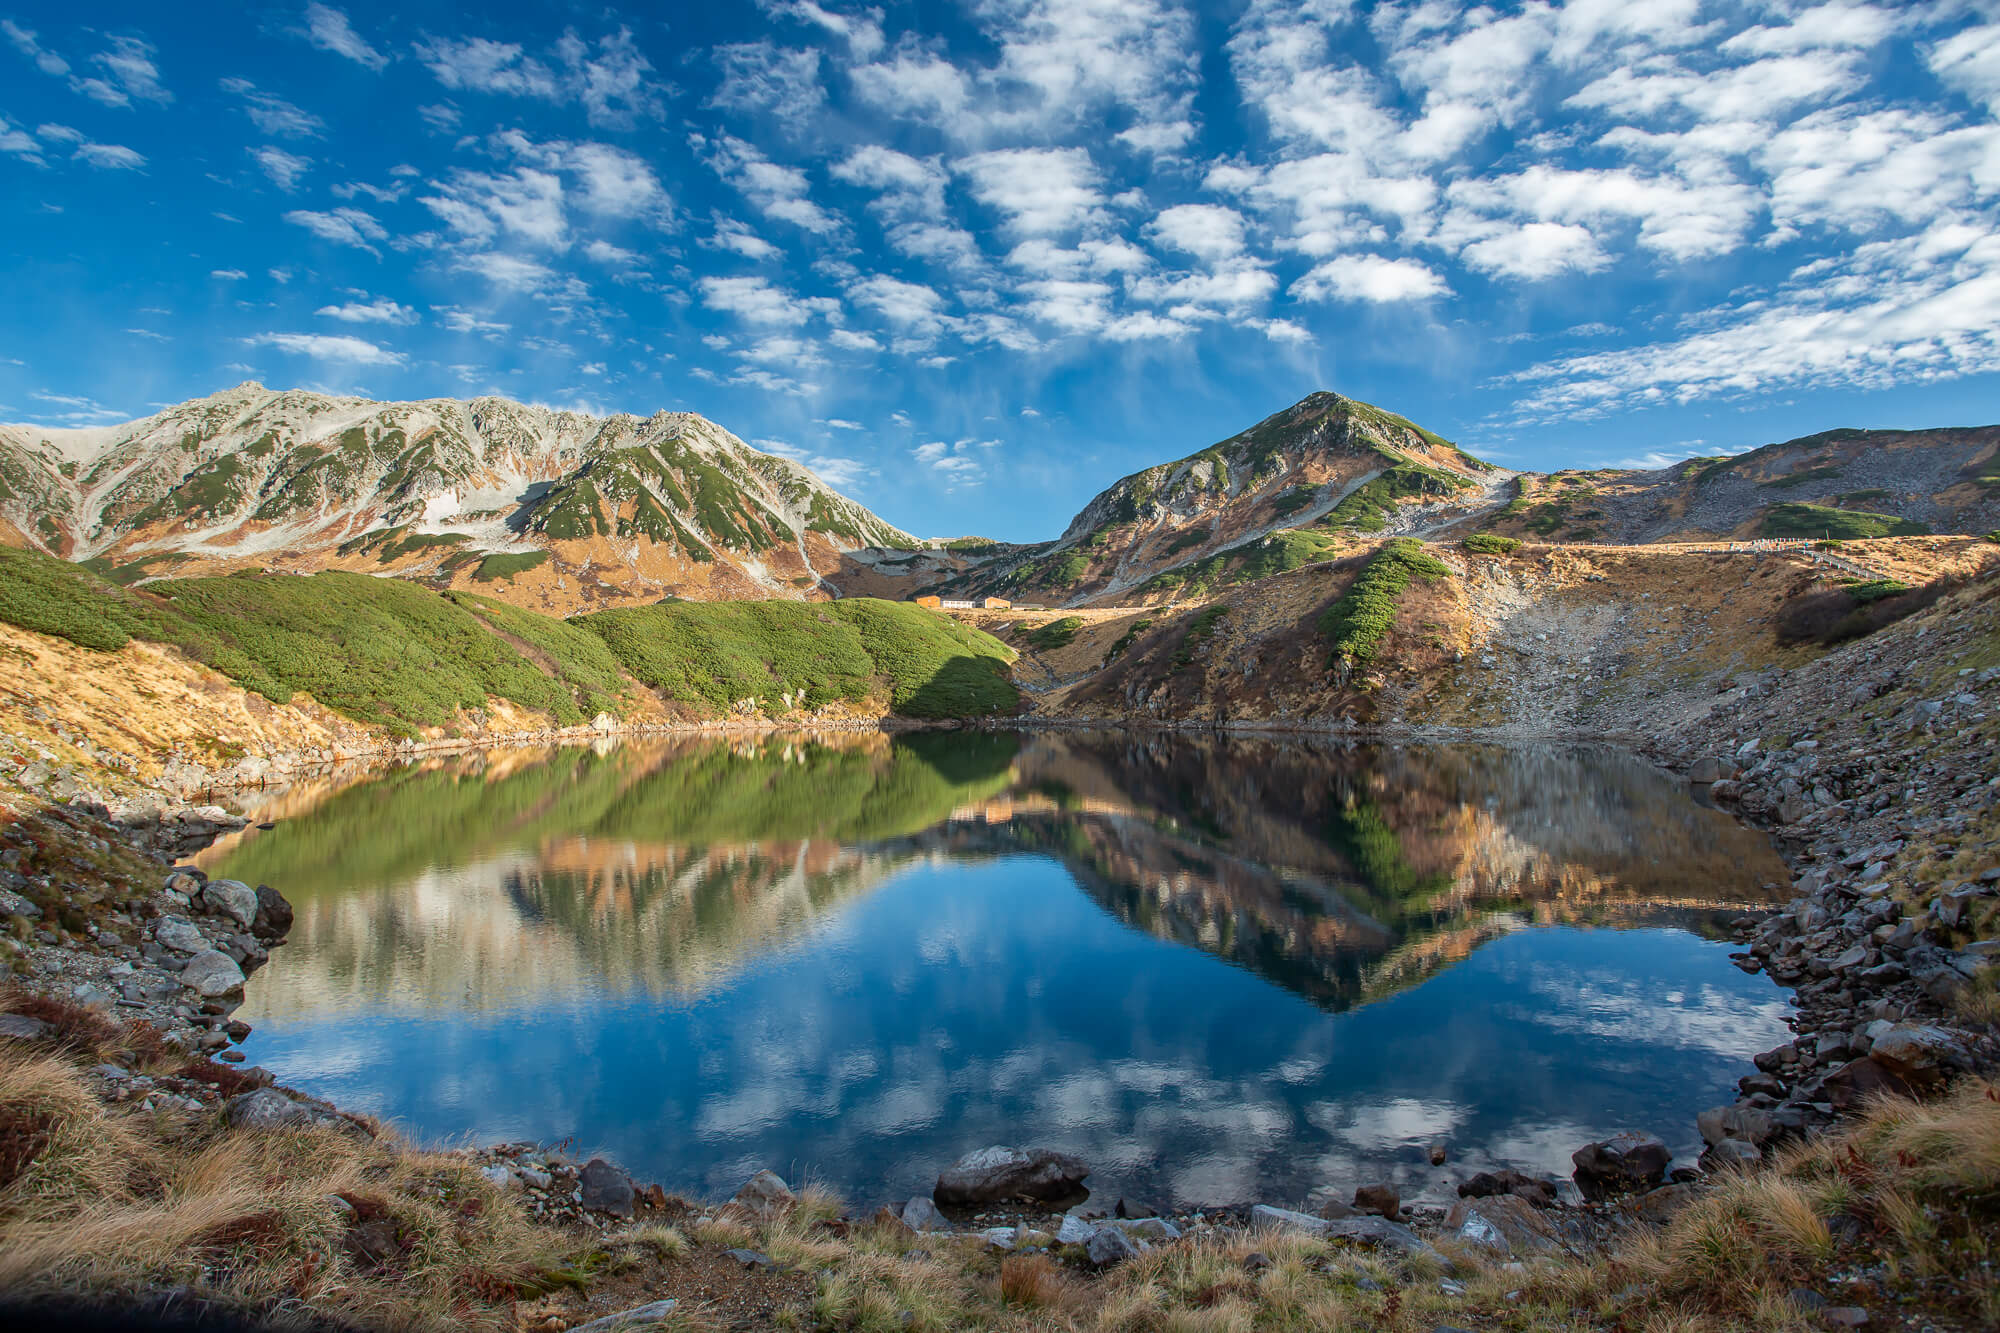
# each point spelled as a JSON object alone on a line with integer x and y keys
{"x": 110, "y": 1199}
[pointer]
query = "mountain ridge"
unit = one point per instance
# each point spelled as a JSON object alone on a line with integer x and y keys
{"x": 627, "y": 508}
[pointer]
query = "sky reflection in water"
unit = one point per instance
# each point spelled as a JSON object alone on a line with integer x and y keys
{"x": 1219, "y": 971}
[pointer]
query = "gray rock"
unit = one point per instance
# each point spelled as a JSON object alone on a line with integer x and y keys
{"x": 1073, "y": 1231}
{"x": 266, "y": 1108}
{"x": 1731, "y": 1155}
{"x": 13, "y": 904}
{"x": 1109, "y": 1245}
{"x": 1503, "y": 1224}
{"x": 653, "y": 1312}
{"x": 210, "y": 974}
{"x": 500, "y": 1178}
{"x": 1735, "y": 1122}
{"x": 180, "y": 935}
{"x": 997, "y": 1175}
{"x": 605, "y": 1188}
{"x": 766, "y": 1194}
{"x": 23, "y": 1028}
{"x": 1155, "y": 1229}
{"x": 231, "y": 898}
{"x": 1919, "y": 1055}
{"x": 1621, "y": 1164}
{"x": 751, "y": 1258}
{"x": 1844, "y": 1316}
{"x": 1379, "y": 1232}
{"x": 920, "y": 1214}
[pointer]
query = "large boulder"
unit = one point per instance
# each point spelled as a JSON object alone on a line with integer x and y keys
{"x": 1108, "y": 1245}
{"x": 1735, "y": 1122}
{"x": 1380, "y": 1200}
{"x": 274, "y": 914}
{"x": 265, "y": 1108}
{"x": 231, "y": 898}
{"x": 766, "y": 1194}
{"x": 179, "y": 934}
{"x": 1920, "y": 1056}
{"x": 1854, "y": 1084}
{"x": 1486, "y": 1184}
{"x": 210, "y": 974}
{"x": 1621, "y": 1164}
{"x": 997, "y": 1175}
{"x": 920, "y": 1214}
{"x": 1731, "y": 1155}
{"x": 1503, "y": 1224}
{"x": 605, "y": 1188}
{"x": 1377, "y": 1232}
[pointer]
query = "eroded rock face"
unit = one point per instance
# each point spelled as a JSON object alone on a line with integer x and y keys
{"x": 1621, "y": 1164}
{"x": 995, "y": 1175}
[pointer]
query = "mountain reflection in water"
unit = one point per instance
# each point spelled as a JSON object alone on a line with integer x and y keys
{"x": 869, "y": 953}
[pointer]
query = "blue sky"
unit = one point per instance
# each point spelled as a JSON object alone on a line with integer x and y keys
{"x": 975, "y": 260}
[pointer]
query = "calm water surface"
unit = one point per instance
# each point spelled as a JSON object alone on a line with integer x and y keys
{"x": 1221, "y": 971}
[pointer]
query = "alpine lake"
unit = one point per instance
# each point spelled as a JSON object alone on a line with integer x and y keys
{"x": 1220, "y": 970}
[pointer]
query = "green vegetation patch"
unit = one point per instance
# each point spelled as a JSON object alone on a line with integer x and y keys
{"x": 970, "y": 545}
{"x": 1367, "y": 508}
{"x": 1805, "y": 478}
{"x": 1360, "y": 619}
{"x": 573, "y": 655}
{"x": 1184, "y": 541}
{"x": 1127, "y": 639}
{"x": 1876, "y": 589}
{"x": 711, "y": 654}
{"x": 1292, "y": 501}
{"x": 1056, "y": 634}
{"x": 1200, "y": 629}
{"x": 1491, "y": 543}
{"x": 1809, "y": 520}
{"x": 506, "y": 564}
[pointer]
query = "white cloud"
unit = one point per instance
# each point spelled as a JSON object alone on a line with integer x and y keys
{"x": 862, "y": 32}
{"x": 604, "y": 252}
{"x": 342, "y": 226}
{"x": 1209, "y": 232}
{"x": 779, "y": 191}
{"x": 1912, "y": 308}
{"x": 272, "y": 114}
{"x": 1040, "y": 191}
{"x": 329, "y": 30}
{"x": 755, "y": 301}
{"x": 1373, "y": 278}
{"x": 379, "y": 311}
{"x": 228, "y": 274}
{"x": 330, "y": 347}
{"x": 1970, "y": 62}
{"x": 464, "y": 321}
{"x": 524, "y": 202}
{"x": 840, "y": 423}
{"x": 912, "y": 308}
{"x": 734, "y": 236}
{"x": 613, "y": 85}
{"x": 282, "y": 167}
{"x": 25, "y": 41}
{"x": 512, "y": 272}
{"x": 110, "y": 156}
{"x": 853, "y": 341}
{"x": 764, "y": 78}
{"x": 1537, "y": 250}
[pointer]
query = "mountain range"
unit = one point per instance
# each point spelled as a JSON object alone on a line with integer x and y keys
{"x": 565, "y": 511}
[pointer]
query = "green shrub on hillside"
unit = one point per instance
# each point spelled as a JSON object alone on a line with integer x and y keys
{"x": 1201, "y": 627}
{"x": 1368, "y": 508}
{"x": 377, "y": 650}
{"x": 1125, "y": 640}
{"x": 1491, "y": 543}
{"x": 1809, "y": 520}
{"x": 505, "y": 565}
{"x": 573, "y": 655}
{"x": 50, "y": 596}
{"x": 1359, "y": 620}
{"x": 1056, "y": 634}
{"x": 1876, "y": 590}
{"x": 714, "y": 653}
